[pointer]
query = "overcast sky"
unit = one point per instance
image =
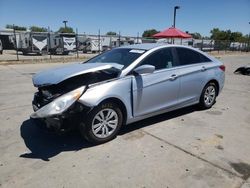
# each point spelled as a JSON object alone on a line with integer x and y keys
{"x": 130, "y": 16}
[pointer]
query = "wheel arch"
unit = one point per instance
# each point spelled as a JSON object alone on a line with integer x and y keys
{"x": 120, "y": 104}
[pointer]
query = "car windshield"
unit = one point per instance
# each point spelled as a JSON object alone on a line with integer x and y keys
{"x": 122, "y": 56}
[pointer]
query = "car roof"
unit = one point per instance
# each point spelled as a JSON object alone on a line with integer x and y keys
{"x": 146, "y": 46}
{"x": 149, "y": 46}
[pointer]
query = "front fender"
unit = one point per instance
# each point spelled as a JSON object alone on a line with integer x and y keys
{"x": 119, "y": 89}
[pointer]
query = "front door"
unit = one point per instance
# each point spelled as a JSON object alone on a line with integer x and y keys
{"x": 158, "y": 90}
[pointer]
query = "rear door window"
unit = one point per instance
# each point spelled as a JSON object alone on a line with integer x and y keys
{"x": 187, "y": 56}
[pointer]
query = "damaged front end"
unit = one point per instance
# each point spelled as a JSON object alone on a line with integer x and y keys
{"x": 58, "y": 112}
{"x": 57, "y": 104}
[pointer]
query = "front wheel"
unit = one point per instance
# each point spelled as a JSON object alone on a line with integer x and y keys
{"x": 208, "y": 96}
{"x": 102, "y": 123}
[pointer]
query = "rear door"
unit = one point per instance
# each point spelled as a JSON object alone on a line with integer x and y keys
{"x": 193, "y": 74}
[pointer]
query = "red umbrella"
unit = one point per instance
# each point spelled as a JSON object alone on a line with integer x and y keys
{"x": 172, "y": 33}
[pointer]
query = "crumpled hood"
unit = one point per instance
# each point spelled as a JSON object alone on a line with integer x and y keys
{"x": 57, "y": 75}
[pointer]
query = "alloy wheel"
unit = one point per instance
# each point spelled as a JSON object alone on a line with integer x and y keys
{"x": 209, "y": 95}
{"x": 104, "y": 123}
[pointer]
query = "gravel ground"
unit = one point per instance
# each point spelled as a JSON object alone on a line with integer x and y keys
{"x": 10, "y": 57}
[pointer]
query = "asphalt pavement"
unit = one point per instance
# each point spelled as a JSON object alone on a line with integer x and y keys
{"x": 185, "y": 148}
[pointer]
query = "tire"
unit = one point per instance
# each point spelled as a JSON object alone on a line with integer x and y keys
{"x": 98, "y": 132}
{"x": 208, "y": 96}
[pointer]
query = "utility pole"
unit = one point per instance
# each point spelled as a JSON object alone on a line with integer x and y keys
{"x": 248, "y": 40}
{"x": 49, "y": 43}
{"x": 14, "y": 30}
{"x": 77, "y": 54}
{"x": 119, "y": 38}
{"x": 137, "y": 38}
{"x": 99, "y": 41}
{"x": 175, "y": 8}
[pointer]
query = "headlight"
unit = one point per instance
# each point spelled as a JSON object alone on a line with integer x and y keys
{"x": 59, "y": 105}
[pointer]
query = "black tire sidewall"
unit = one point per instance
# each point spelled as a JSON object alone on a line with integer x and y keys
{"x": 203, "y": 105}
{"x": 86, "y": 127}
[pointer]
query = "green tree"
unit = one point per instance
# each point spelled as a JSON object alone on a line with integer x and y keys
{"x": 149, "y": 33}
{"x": 236, "y": 36}
{"x": 112, "y": 33}
{"x": 218, "y": 34}
{"x": 206, "y": 38}
{"x": 38, "y": 29}
{"x": 196, "y": 35}
{"x": 66, "y": 30}
{"x": 245, "y": 38}
{"x": 19, "y": 28}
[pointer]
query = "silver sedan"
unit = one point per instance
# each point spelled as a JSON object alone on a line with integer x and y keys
{"x": 125, "y": 85}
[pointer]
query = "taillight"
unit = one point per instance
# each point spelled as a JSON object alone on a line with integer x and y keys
{"x": 222, "y": 67}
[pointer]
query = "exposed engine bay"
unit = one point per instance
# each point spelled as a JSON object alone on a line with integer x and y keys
{"x": 48, "y": 93}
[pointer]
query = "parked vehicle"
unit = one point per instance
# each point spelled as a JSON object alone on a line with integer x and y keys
{"x": 92, "y": 45}
{"x": 81, "y": 40}
{"x": 1, "y": 47}
{"x": 125, "y": 85}
{"x": 29, "y": 42}
{"x": 62, "y": 43}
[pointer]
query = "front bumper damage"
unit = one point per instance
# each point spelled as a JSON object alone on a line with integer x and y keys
{"x": 57, "y": 101}
{"x": 64, "y": 122}
{"x": 60, "y": 112}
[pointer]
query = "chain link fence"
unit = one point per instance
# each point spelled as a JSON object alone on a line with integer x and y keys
{"x": 50, "y": 45}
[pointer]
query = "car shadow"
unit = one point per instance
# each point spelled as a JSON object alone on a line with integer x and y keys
{"x": 45, "y": 145}
{"x": 156, "y": 119}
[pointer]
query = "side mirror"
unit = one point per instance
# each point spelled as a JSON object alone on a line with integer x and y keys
{"x": 144, "y": 69}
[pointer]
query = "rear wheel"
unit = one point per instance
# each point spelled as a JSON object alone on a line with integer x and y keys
{"x": 102, "y": 123}
{"x": 208, "y": 96}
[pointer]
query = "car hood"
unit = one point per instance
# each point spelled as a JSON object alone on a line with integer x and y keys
{"x": 57, "y": 75}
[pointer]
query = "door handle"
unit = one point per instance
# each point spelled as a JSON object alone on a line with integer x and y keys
{"x": 173, "y": 77}
{"x": 203, "y": 68}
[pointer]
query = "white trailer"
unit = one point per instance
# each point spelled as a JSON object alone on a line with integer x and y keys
{"x": 62, "y": 43}
{"x": 237, "y": 46}
{"x": 69, "y": 43}
{"x": 93, "y": 45}
{"x": 123, "y": 41}
{"x": 29, "y": 42}
{"x": 81, "y": 42}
